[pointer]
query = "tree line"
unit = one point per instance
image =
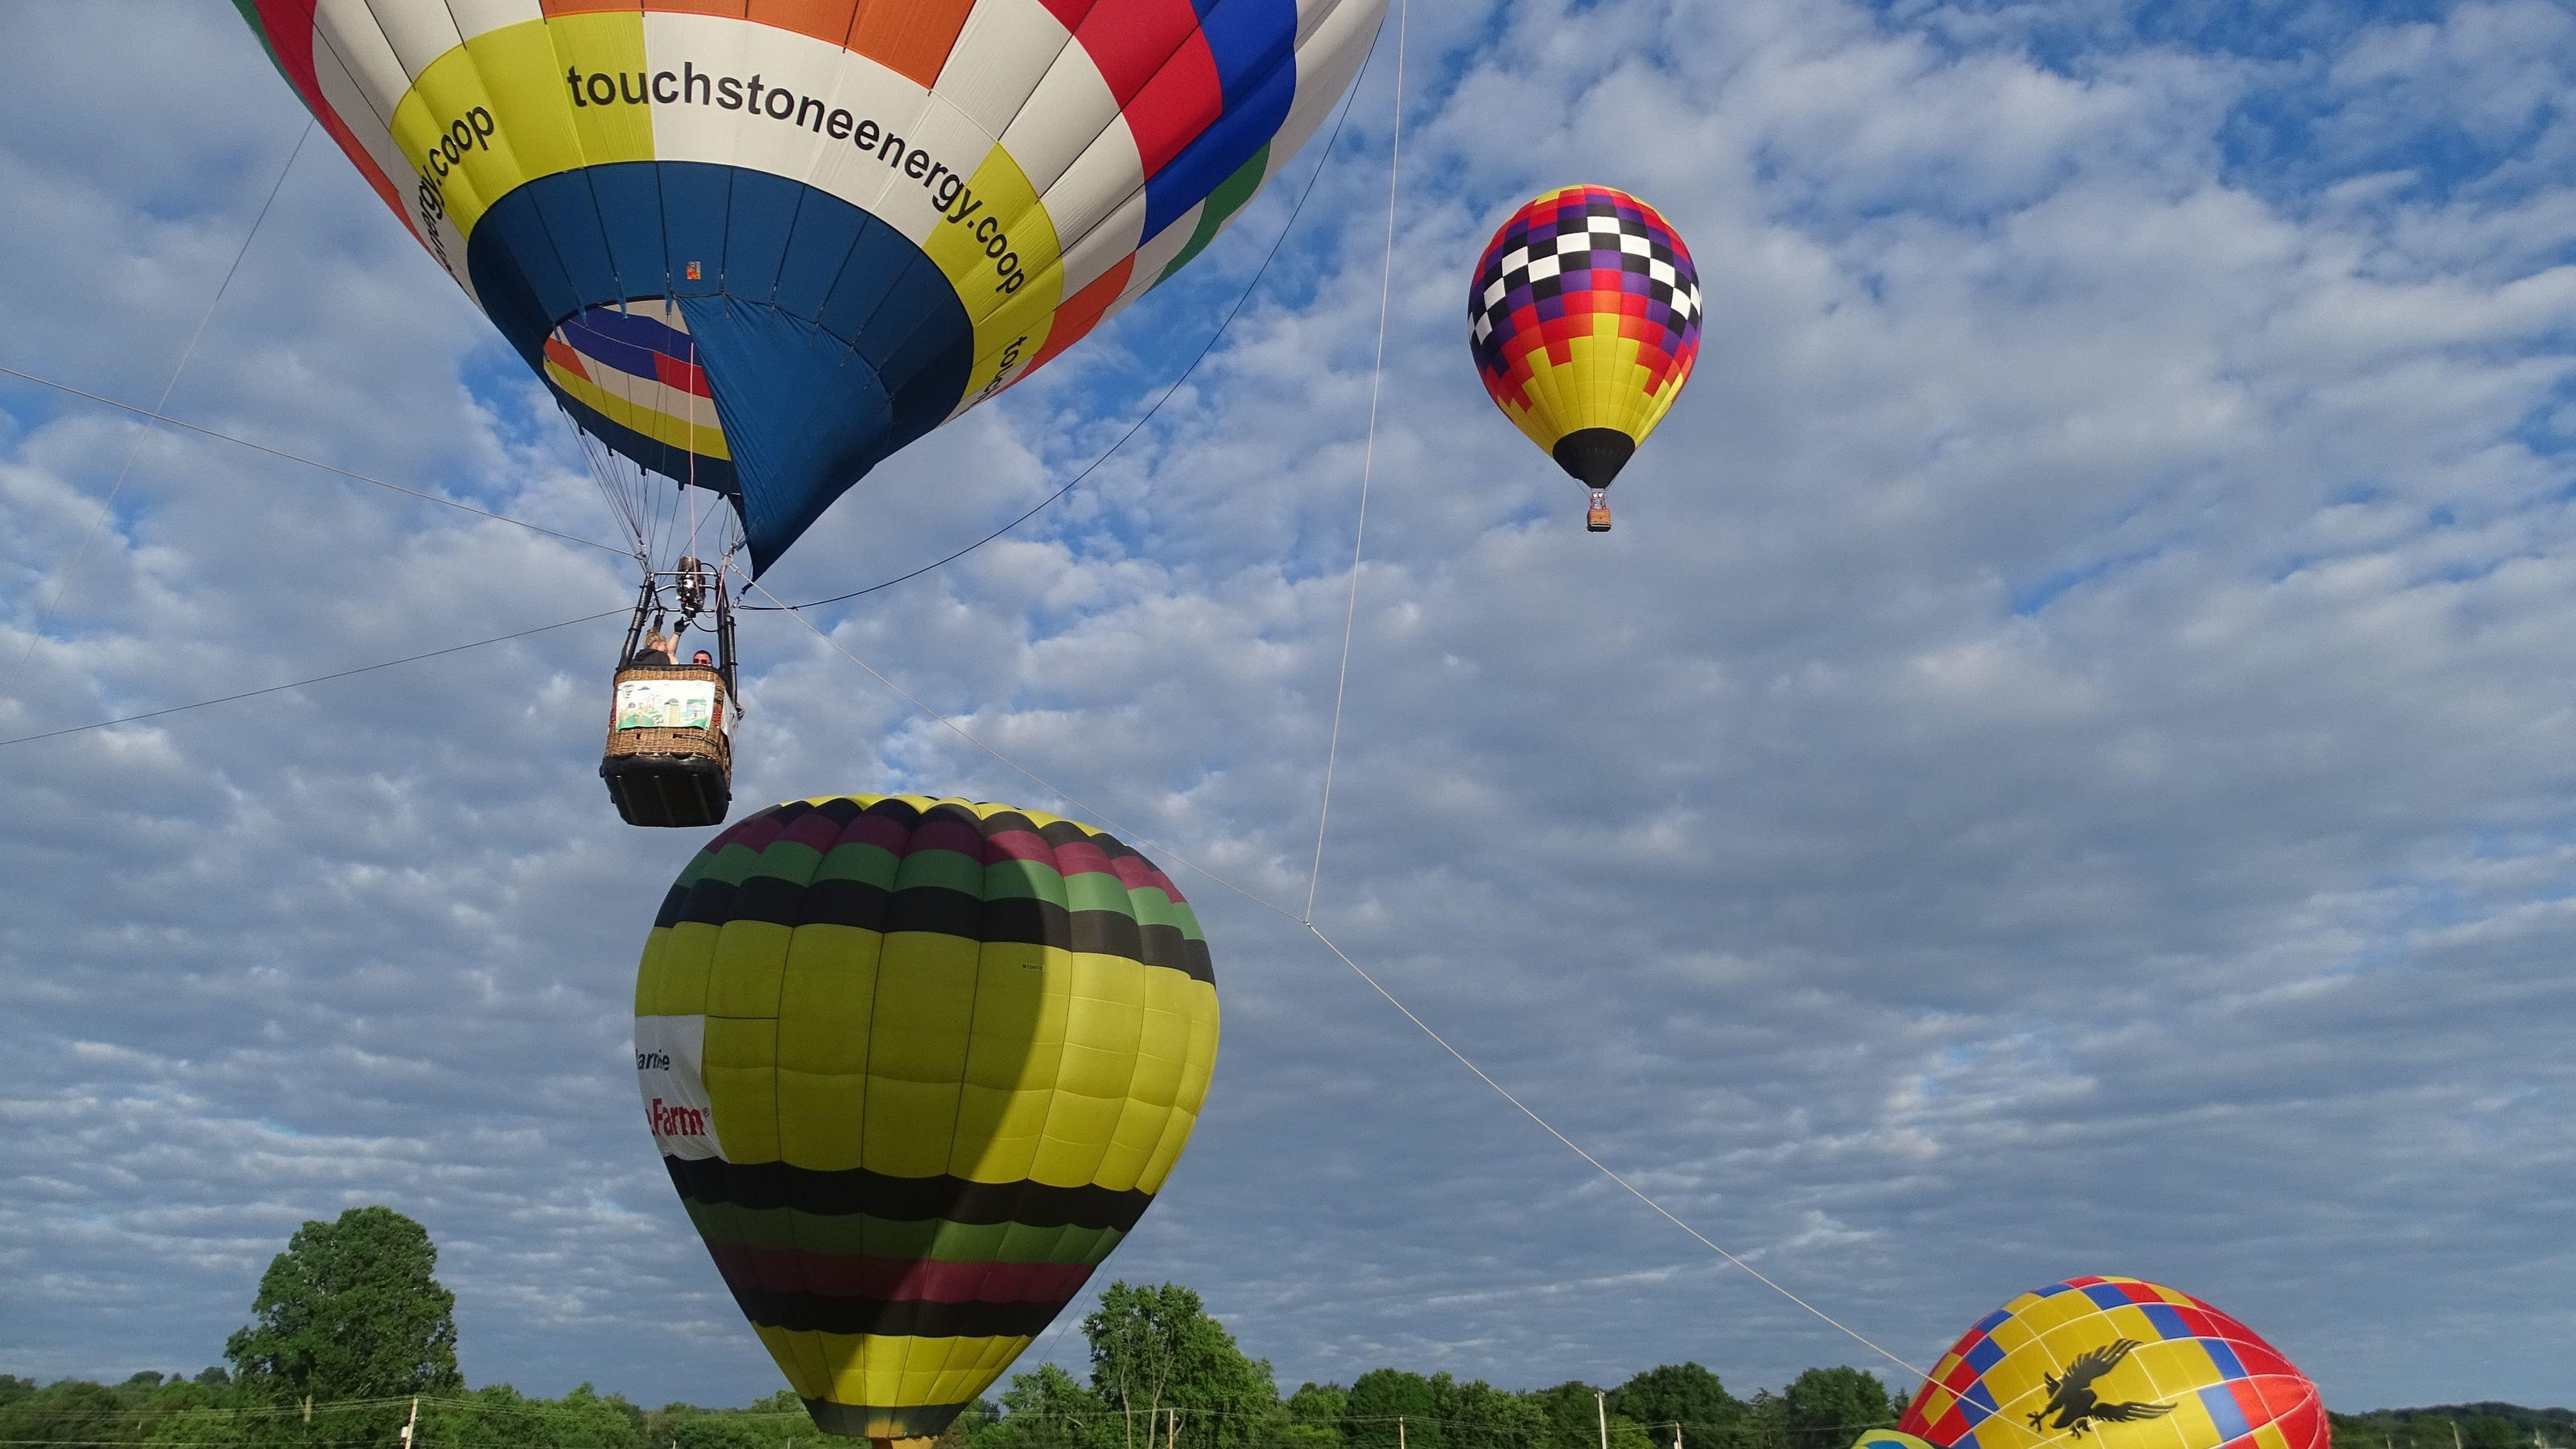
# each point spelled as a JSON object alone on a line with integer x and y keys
{"x": 350, "y": 1327}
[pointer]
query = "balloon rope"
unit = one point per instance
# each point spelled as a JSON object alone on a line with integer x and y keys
{"x": 618, "y": 612}
{"x": 107, "y": 510}
{"x": 1368, "y": 463}
{"x": 153, "y": 415}
{"x": 1167, "y": 853}
{"x": 1603, "y": 1168}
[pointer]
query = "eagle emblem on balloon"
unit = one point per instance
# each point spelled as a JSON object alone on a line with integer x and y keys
{"x": 2119, "y": 1362}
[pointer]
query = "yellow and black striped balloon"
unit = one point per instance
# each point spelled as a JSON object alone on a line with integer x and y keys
{"x": 916, "y": 1066}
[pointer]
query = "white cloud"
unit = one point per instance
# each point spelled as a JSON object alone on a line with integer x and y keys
{"x": 2059, "y": 769}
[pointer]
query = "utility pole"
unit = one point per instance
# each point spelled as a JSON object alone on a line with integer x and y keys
{"x": 1172, "y": 1430}
{"x": 414, "y": 1422}
{"x": 1601, "y": 1408}
{"x": 1677, "y": 1434}
{"x": 1399, "y": 1431}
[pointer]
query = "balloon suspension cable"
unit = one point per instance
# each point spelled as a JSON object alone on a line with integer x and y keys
{"x": 619, "y": 612}
{"x": 1133, "y": 838}
{"x": 107, "y": 509}
{"x": 1368, "y": 463}
{"x": 1323, "y": 159}
{"x": 624, "y": 500}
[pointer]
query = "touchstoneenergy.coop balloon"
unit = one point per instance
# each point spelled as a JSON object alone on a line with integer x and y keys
{"x": 758, "y": 245}
{"x": 916, "y": 1066}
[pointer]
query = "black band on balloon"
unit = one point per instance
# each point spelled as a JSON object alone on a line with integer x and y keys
{"x": 1017, "y": 920}
{"x": 879, "y": 1421}
{"x": 712, "y": 1180}
{"x": 1594, "y": 455}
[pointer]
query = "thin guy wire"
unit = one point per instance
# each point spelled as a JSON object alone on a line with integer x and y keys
{"x": 300, "y": 683}
{"x": 1323, "y": 160}
{"x": 158, "y": 417}
{"x": 1577, "y": 1149}
{"x": 628, "y": 507}
{"x": 1633, "y": 1190}
{"x": 107, "y": 510}
{"x": 1368, "y": 462}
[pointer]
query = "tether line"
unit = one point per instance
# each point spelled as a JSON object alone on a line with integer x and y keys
{"x": 107, "y": 509}
{"x": 300, "y": 683}
{"x": 1368, "y": 462}
{"x": 154, "y": 416}
{"x": 1165, "y": 852}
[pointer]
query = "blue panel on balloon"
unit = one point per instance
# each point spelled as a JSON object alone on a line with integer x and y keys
{"x": 829, "y": 339}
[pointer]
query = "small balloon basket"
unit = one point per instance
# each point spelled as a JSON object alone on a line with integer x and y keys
{"x": 669, "y": 774}
{"x": 669, "y": 759}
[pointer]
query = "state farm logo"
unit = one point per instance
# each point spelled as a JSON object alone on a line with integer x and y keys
{"x": 652, "y": 1061}
{"x": 676, "y": 1121}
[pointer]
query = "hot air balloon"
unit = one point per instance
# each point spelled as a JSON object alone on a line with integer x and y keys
{"x": 916, "y": 1066}
{"x": 2119, "y": 1362}
{"x": 1584, "y": 319}
{"x": 754, "y": 253}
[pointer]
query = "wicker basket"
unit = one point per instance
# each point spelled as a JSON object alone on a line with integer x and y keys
{"x": 670, "y": 775}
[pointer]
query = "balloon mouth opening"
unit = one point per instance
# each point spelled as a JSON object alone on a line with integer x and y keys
{"x": 1594, "y": 456}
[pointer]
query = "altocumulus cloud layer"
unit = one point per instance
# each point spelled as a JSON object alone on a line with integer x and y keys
{"x": 2061, "y": 768}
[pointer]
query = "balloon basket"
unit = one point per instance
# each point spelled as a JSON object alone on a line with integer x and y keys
{"x": 1597, "y": 519}
{"x": 668, "y": 774}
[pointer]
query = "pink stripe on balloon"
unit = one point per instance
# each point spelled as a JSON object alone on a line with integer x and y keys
{"x": 1018, "y": 845}
{"x": 1082, "y": 857}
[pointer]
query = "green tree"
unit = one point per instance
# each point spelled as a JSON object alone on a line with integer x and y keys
{"x": 716, "y": 1431}
{"x": 2493, "y": 1431}
{"x": 70, "y": 1413}
{"x": 1156, "y": 1349}
{"x": 1314, "y": 1417}
{"x": 1825, "y": 1408}
{"x": 1476, "y": 1415}
{"x": 1573, "y": 1412}
{"x": 1380, "y": 1397}
{"x": 1049, "y": 1409}
{"x": 970, "y": 1421}
{"x": 349, "y": 1311}
{"x": 497, "y": 1416}
{"x": 1678, "y": 1393}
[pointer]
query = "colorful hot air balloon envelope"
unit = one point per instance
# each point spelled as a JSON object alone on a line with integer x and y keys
{"x": 916, "y": 1066}
{"x": 2119, "y": 1363}
{"x": 759, "y": 245}
{"x": 1584, "y": 319}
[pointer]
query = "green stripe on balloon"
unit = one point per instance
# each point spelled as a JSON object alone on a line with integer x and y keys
{"x": 1225, "y": 201}
{"x": 862, "y": 1234}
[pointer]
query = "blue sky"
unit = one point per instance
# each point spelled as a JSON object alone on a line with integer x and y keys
{"x": 2061, "y": 768}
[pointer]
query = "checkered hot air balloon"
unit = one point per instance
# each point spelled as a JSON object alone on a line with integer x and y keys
{"x": 758, "y": 245}
{"x": 2117, "y": 1363}
{"x": 916, "y": 1066}
{"x": 1584, "y": 320}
